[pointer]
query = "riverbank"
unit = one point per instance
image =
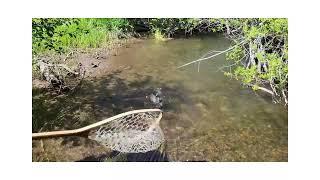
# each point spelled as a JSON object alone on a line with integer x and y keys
{"x": 95, "y": 61}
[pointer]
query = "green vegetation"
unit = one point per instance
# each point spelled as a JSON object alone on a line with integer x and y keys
{"x": 170, "y": 27}
{"x": 261, "y": 62}
{"x": 61, "y": 35}
{"x": 158, "y": 35}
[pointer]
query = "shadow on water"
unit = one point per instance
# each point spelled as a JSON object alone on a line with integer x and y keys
{"x": 101, "y": 98}
{"x": 151, "y": 156}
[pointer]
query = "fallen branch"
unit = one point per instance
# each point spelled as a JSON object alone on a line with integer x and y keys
{"x": 284, "y": 96}
{"x": 67, "y": 69}
{"x": 210, "y": 52}
{"x": 228, "y": 66}
{"x": 58, "y": 65}
{"x": 56, "y": 77}
{"x": 202, "y": 59}
{"x": 265, "y": 90}
{"x": 67, "y": 56}
{"x": 262, "y": 89}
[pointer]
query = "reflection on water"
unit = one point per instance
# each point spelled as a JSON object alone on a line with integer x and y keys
{"x": 207, "y": 117}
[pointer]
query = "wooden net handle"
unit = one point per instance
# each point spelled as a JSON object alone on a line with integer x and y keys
{"x": 85, "y": 130}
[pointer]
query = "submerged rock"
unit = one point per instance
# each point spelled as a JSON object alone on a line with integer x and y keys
{"x": 156, "y": 98}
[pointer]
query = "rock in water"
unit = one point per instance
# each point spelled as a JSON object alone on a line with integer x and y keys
{"x": 157, "y": 92}
{"x": 156, "y": 98}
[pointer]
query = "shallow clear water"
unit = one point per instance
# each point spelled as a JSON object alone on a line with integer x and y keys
{"x": 207, "y": 116}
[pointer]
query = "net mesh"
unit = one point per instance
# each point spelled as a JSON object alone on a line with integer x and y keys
{"x": 132, "y": 133}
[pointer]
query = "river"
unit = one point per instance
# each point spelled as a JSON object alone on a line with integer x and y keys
{"x": 207, "y": 116}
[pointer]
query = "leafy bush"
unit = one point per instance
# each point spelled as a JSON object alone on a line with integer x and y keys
{"x": 169, "y": 27}
{"x": 262, "y": 60}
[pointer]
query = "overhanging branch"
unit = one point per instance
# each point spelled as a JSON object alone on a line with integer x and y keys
{"x": 202, "y": 59}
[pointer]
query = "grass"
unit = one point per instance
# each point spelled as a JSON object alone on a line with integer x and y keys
{"x": 53, "y": 37}
{"x": 61, "y": 35}
{"x": 86, "y": 34}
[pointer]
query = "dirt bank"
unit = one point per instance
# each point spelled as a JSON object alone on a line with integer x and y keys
{"x": 94, "y": 61}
